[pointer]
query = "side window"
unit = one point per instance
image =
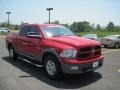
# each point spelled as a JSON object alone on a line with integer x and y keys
{"x": 25, "y": 30}
{"x": 119, "y": 37}
{"x": 35, "y": 30}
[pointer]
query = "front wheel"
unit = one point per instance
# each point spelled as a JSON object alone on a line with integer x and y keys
{"x": 52, "y": 67}
{"x": 117, "y": 45}
{"x": 105, "y": 46}
{"x": 1, "y": 31}
{"x": 12, "y": 54}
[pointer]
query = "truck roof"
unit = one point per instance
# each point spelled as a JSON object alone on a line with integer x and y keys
{"x": 46, "y": 25}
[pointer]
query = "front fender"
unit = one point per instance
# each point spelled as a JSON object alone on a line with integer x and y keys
{"x": 52, "y": 51}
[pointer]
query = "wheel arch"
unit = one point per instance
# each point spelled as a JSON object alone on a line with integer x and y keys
{"x": 50, "y": 51}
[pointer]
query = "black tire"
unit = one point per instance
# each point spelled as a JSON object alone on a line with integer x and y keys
{"x": 105, "y": 46}
{"x": 12, "y": 54}
{"x": 117, "y": 45}
{"x": 52, "y": 67}
{"x": 90, "y": 72}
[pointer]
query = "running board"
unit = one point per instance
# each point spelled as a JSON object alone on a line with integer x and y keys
{"x": 31, "y": 62}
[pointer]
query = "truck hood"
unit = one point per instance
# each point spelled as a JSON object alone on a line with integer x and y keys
{"x": 74, "y": 41}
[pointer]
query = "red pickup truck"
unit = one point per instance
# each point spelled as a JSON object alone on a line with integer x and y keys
{"x": 56, "y": 48}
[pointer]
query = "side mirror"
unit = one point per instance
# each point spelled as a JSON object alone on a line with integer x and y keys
{"x": 32, "y": 35}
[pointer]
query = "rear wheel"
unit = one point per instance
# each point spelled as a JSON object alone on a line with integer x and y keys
{"x": 12, "y": 54}
{"x": 117, "y": 45}
{"x": 52, "y": 67}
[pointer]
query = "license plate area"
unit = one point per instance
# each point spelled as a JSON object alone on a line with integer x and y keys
{"x": 95, "y": 64}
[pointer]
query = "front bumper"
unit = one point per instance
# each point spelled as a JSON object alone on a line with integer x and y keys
{"x": 81, "y": 67}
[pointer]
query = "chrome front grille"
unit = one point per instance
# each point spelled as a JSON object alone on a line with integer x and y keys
{"x": 89, "y": 52}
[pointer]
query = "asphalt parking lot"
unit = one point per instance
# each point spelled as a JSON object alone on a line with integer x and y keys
{"x": 20, "y": 75}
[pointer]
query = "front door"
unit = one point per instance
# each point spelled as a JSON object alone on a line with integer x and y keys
{"x": 35, "y": 44}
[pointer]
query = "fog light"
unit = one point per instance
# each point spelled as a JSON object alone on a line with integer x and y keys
{"x": 74, "y": 68}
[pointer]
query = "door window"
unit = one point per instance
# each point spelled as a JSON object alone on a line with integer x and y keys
{"x": 35, "y": 30}
{"x": 25, "y": 30}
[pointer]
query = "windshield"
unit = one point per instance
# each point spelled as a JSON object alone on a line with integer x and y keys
{"x": 56, "y": 31}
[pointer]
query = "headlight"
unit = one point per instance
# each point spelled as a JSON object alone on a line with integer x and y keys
{"x": 69, "y": 53}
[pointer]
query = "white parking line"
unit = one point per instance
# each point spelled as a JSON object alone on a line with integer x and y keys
{"x": 104, "y": 52}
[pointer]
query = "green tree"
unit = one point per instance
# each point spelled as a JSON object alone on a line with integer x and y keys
{"x": 84, "y": 26}
{"x": 66, "y": 25}
{"x": 98, "y": 27}
{"x": 117, "y": 28}
{"x": 55, "y": 22}
{"x": 3, "y": 24}
{"x": 16, "y": 27}
{"x": 73, "y": 27}
{"x": 110, "y": 26}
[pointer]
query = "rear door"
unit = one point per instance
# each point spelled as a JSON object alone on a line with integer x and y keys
{"x": 23, "y": 40}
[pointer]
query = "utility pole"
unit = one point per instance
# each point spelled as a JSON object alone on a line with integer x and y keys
{"x": 8, "y": 13}
{"x": 48, "y": 9}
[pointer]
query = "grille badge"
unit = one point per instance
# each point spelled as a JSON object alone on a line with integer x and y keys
{"x": 93, "y": 50}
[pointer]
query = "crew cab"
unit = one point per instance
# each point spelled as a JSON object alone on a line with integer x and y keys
{"x": 55, "y": 47}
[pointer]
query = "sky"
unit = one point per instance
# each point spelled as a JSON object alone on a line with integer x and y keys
{"x": 66, "y": 11}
